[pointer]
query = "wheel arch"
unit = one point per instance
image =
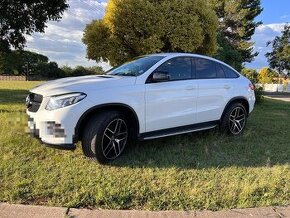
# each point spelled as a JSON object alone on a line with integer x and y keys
{"x": 239, "y": 99}
{"x": 126, "y": 109}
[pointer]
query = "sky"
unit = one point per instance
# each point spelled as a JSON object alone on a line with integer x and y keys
{"x": 62, "y": 43}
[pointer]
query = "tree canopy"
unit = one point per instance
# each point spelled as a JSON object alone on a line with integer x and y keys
{"x": 266, "y": 75}
{"x": 132, "y": 28}
{"x": 279, "y": 57}
{"x": 30, "y": 64}
{"x": 251, "y": 74}
{"x": 236, "y": 27}
{"x": 18, "y": 18}
{"x": 82, "y": 71}
{"x": 20, "y": 62}
{"x": 38, "y": 66}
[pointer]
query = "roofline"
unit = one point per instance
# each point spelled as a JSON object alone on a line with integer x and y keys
{"x": 172, "y": 55}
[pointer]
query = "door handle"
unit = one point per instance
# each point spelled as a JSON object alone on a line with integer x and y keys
{"x": 190, "y": 88}
{"x": 227, "y": 87}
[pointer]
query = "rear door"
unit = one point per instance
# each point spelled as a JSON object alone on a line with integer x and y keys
{"x": 172, "y": 103}
{"x": 213, "y": 90}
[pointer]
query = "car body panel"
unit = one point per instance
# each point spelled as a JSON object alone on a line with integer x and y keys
{"x": 82, "y": 84}
{"x": 170, "y": 104}
{"x": 213, "y": 94}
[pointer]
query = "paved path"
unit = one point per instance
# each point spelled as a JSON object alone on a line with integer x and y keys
{"x": 25, "y": 211}
{"x": 278, "y": 96}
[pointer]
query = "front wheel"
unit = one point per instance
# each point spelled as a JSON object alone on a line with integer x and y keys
{"x": 234, "y": 120}
{"x": 105, "y": 136}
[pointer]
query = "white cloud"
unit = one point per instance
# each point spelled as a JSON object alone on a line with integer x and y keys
{"x": 275, "y": 27}
{"x": 264, "y": 33}
{"x": 61, "y": 41}
{"x": 285, "y": 17}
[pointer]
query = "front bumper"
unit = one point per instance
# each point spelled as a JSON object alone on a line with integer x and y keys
{"x": 55, "y": 128}
{"x": 34, "y": 132}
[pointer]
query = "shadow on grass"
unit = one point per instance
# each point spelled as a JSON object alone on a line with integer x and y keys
{"x": 265, "y": 142}
{"x": 9, "y": 96}
{"x": 206, "y": 149}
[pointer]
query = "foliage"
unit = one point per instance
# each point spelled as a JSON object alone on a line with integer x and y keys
{"x": 98, "y": 70}
{"x": 43, "y": 71}
{"x": 20, "y": 62}
{"x": 82, "y": 71}
{"x": 190, "y": 172}
{"x": 132, "y": 28}
{"x": 266, "y": 75}
{"x": 279, "y": 57}
{"x": 228, "y": 53}
{"x": 236, "y": 27}
{"x": 38, "y": 67}
{"x": 259, "y": 95}
{"x": 20, "y": 18}
{"x": 251, "y": 74}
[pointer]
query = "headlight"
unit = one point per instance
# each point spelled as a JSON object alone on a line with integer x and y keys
{"x": 60, "y": 101}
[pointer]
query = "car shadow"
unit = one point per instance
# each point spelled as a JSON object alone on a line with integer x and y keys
{"x": 207, "y": 149}
{"x": 9, "y": 96}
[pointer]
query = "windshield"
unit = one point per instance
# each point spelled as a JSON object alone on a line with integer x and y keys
{"x": 136, "y": 67}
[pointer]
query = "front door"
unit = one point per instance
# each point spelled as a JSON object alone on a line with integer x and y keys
{"x": 172, "y": 103}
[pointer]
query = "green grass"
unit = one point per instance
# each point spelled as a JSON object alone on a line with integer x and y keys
{"x": 188, "y": 172}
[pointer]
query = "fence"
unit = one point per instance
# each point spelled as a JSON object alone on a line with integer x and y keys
{"x": 14, "y": 78}
{"x": 275, "y": 87}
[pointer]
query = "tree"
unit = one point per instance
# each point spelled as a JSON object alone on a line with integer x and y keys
{"x": 236, "y": 27}
{"x": 20, "y": 18}
{"x": 251, "y": 74}
{"x": 228, "y": 54}
{"x": 82, "y": 71}
{"x": 28, "y": 61}
{"x": 31, "y": 64}
{"x": 97, "y": 70}
{"x": 266, "y": 75}
{"x": 48, "y": 70}
{"x": 20, "y": 62}
{"x": 67, "y": 70}
{"x": 279, "y": 57}
{"x": 132, "y": 28}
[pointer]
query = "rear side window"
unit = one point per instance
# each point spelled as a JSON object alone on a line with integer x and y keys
{"x": 219, "y": 70}
{"x": 205, "y": 69}
{"x": 229, "y": 72}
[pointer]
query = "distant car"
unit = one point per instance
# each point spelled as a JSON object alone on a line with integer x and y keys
{"x": 150, "y": 97}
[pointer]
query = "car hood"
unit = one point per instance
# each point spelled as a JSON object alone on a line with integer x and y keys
{"x": 82, "y": 84}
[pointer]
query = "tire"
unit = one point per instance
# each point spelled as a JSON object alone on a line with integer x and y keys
{"x": 105, "y": 136}
{"x": 234, "y": 120}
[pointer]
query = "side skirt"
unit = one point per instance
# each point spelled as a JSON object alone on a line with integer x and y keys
{"x": 178, "y": 130}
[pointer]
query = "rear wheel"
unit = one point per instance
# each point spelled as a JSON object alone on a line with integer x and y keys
{"x": 234, "y": 120}
{"x": 105, "y": 136}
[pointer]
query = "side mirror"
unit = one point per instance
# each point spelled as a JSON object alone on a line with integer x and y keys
{"x": 160, "y": 76}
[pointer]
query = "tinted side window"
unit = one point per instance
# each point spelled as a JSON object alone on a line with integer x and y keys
{"x": 205, "y": 69}
{"x": 178, "y": 68}
{"x": 229, "y": 72}
{"x": 219, "y": 70}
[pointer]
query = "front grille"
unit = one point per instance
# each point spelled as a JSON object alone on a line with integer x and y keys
{"x": 33, "y": 102}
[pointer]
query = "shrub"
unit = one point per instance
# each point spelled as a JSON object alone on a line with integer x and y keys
{"x": 259, "y": 95}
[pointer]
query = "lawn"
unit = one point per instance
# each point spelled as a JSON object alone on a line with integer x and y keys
{"x": 188, "y": 172}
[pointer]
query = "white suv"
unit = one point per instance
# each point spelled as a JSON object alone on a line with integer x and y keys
{"x": 150, "y": 97}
